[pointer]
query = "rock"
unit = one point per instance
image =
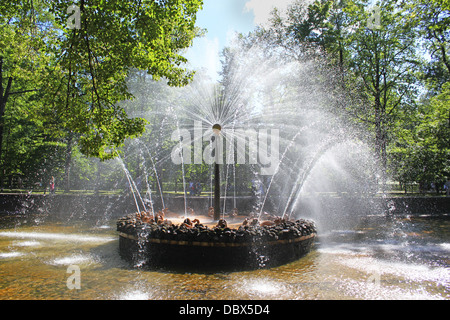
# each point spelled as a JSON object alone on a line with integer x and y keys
{"x": 221, "y": 233}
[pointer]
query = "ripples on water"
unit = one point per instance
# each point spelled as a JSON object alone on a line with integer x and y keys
{"x": 378, "y": 258}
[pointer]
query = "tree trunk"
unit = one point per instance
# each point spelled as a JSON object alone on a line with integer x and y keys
{"x": 97, "y": 182}
{"x": 380, "y": 139}
{"x": 380, "y": 115}
{"x": 4, "y": 95}
{"x": 67, "y": 164}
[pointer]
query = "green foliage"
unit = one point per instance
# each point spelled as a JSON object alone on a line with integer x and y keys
{"x": 390, "y": 71}
{"x": 421, "y": 151}
{"x": 83, "y": 72}
{"x": 432, "y": 20}
{"x": 96, "y": 60}
{"x": 70, "y": 82}
{"x": 92, "y": 84}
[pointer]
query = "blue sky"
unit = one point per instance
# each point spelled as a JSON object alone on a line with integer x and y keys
{"x": 222, "y": 18}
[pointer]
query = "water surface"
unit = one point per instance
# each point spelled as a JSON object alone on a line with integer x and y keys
{"x": 377, "y": 258}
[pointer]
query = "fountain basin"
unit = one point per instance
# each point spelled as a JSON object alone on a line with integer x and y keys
{"x": 223, "y": 249}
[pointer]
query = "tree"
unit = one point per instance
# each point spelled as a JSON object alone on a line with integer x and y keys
{"x": 74, "y": 79}
{"x": 22, "y": 70}
{"x": 114, "y": 37}
{"x": 421, "y": 151}
{"x": 88, "y": 67}
{"x": 375, "y": 65}
{"x": 317, "y": 28}
{"x": 382, "y": 63}
{"x": 432, "y": 19}
{"x": 21, "y": 63}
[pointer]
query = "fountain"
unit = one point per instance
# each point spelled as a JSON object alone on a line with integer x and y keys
{"x": 307, "y": 164}
{"x": 223, "y": 247}
{"x": 276, "y": 109}
{"x": 155, "y": 240}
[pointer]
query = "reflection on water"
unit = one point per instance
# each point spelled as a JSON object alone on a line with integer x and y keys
{"x": 377, "y": 258}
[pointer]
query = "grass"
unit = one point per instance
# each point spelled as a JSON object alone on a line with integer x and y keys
{"x": 62, "y": 192}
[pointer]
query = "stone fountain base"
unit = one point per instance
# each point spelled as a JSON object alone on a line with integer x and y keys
{"x": 204, "y": 248}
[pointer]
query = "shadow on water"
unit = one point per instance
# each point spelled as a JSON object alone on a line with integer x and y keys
{"x": 205, "y": 270}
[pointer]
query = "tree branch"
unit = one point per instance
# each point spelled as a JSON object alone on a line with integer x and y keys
{"x": 24, "y": 91}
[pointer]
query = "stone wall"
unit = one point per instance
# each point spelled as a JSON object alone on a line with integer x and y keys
{"x": 117, "y": 206}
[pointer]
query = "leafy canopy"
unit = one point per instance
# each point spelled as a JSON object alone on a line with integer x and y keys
{"x": 88, "y": 66}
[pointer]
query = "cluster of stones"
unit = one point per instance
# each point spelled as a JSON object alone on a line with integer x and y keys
{"x": 250, "y": 232}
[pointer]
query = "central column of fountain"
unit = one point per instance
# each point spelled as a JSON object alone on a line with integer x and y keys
{"x": 216, "y": 128}
{"x": 216, "y": 192}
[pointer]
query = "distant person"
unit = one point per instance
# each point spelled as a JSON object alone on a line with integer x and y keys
{"x": 52, "y": 185}
{"x": 198, "y": 188}
{"x": 447, "y": 187}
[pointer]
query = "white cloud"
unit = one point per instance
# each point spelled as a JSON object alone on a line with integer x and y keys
{"x": 262, "y": 9}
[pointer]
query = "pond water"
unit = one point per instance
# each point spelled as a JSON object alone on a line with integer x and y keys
{"x": 377, "y": 258}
